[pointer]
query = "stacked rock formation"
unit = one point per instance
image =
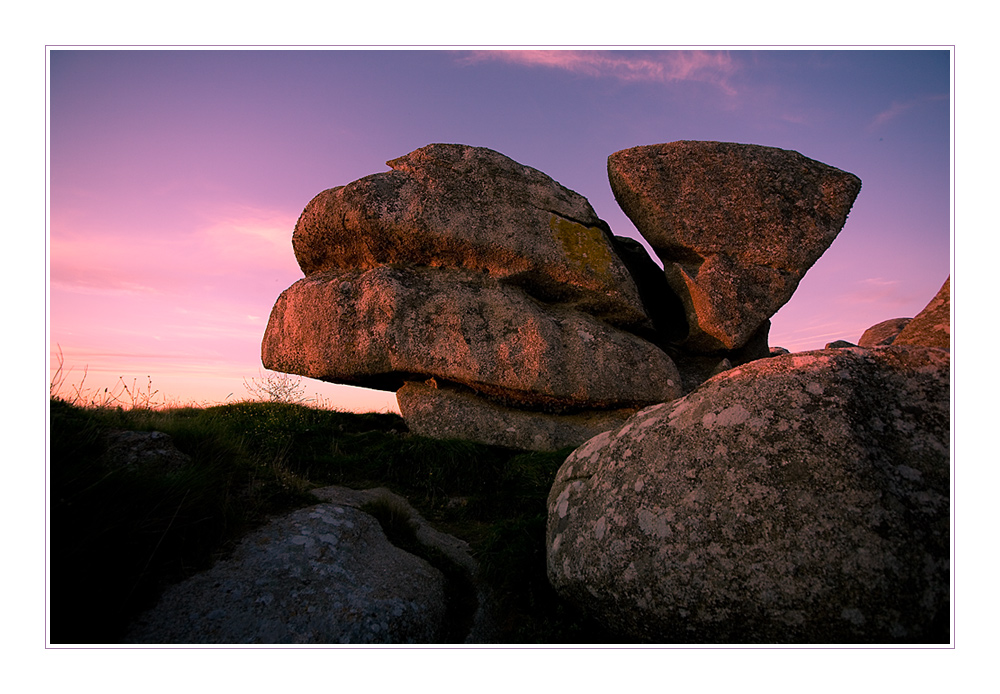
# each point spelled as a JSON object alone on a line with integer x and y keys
{"x": 485, "y": 288}
{"x": 502, "y": 309}
{"x": 724, "y": 491}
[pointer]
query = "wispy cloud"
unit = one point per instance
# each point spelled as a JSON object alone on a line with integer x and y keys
{"x": 878, "y": 290}
{"x": 222, "y": 244}
{"x": 814, "y": 335}
{"x": 250, "y": 236}
{"x": 105, "y": 265}
{"x": 710, "y": 67}
{"x": 898, "y": 108}
{"x": 793, "y": 118}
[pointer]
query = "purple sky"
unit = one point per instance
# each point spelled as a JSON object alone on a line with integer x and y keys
{"x": 176, "y": 176}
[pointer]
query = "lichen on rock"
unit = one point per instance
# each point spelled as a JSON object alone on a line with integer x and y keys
{"x": 736, "y": 226}
{"x": 797, "y": 499}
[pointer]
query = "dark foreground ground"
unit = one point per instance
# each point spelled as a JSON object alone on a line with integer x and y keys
{"x": 120, "y": 535}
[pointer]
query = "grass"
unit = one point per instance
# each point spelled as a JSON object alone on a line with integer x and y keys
{"x": 119, "y": 536}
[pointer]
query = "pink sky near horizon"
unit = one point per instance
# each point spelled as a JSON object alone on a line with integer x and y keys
{"x": 176, "y": 177}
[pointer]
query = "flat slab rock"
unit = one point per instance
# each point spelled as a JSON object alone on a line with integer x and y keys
{"x": 380, "y": 327}
{"x": 322, "y": 575}
{"x": 803, "y": 498}
{"x": 437, "y": 411}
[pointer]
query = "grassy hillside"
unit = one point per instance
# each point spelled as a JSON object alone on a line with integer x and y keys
{"x": 119, "y": 535}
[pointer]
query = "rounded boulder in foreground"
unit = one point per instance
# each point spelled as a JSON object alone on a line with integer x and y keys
{"x": 799, "y": 499}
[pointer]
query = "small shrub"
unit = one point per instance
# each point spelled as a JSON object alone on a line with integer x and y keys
{"x": 276, "y": 387}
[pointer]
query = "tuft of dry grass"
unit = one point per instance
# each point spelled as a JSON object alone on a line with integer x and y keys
{"x": 120, "y": 395}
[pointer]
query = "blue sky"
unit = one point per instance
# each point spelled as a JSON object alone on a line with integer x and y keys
{"x": 176, "y": 176}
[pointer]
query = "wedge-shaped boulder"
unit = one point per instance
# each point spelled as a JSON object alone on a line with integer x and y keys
{"x": 798, "y": 499}
{"x": 442, "y": 412}
{"x": 381, "y": 327}
{"x": 736, "y": 226}
{"x": 470, "y": 207}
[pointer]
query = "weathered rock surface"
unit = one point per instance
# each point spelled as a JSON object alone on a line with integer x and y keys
{"x": 736, "y": 226}
{"x": 324, "y": 574}
{"x": 381, "y": 327}
{"x": 447, "y": 413}
{"x": 798, "y": 499}
{"x": 932, "y": 326}
{"x": 457, "y": 206}
{"x": 471, "y": 606}
{"x": 882, "y": 334}
{"x": 840, "y": 344}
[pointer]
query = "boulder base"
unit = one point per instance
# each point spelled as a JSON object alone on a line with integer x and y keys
{"x": 446, "y": 413}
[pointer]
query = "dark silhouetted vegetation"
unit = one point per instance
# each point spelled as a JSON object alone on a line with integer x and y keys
{"x": 120, "y": 534}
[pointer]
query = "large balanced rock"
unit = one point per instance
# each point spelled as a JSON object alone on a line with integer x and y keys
{"x": 457, "y": 206}
{"x": 932, "y": 326}
{"x": 798, "y": 499}
{"x": 324, "y": 574}
{"x": 882, "y": 334}
{"x": 736, "y": 226}
{"x": 381, "y": 327}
